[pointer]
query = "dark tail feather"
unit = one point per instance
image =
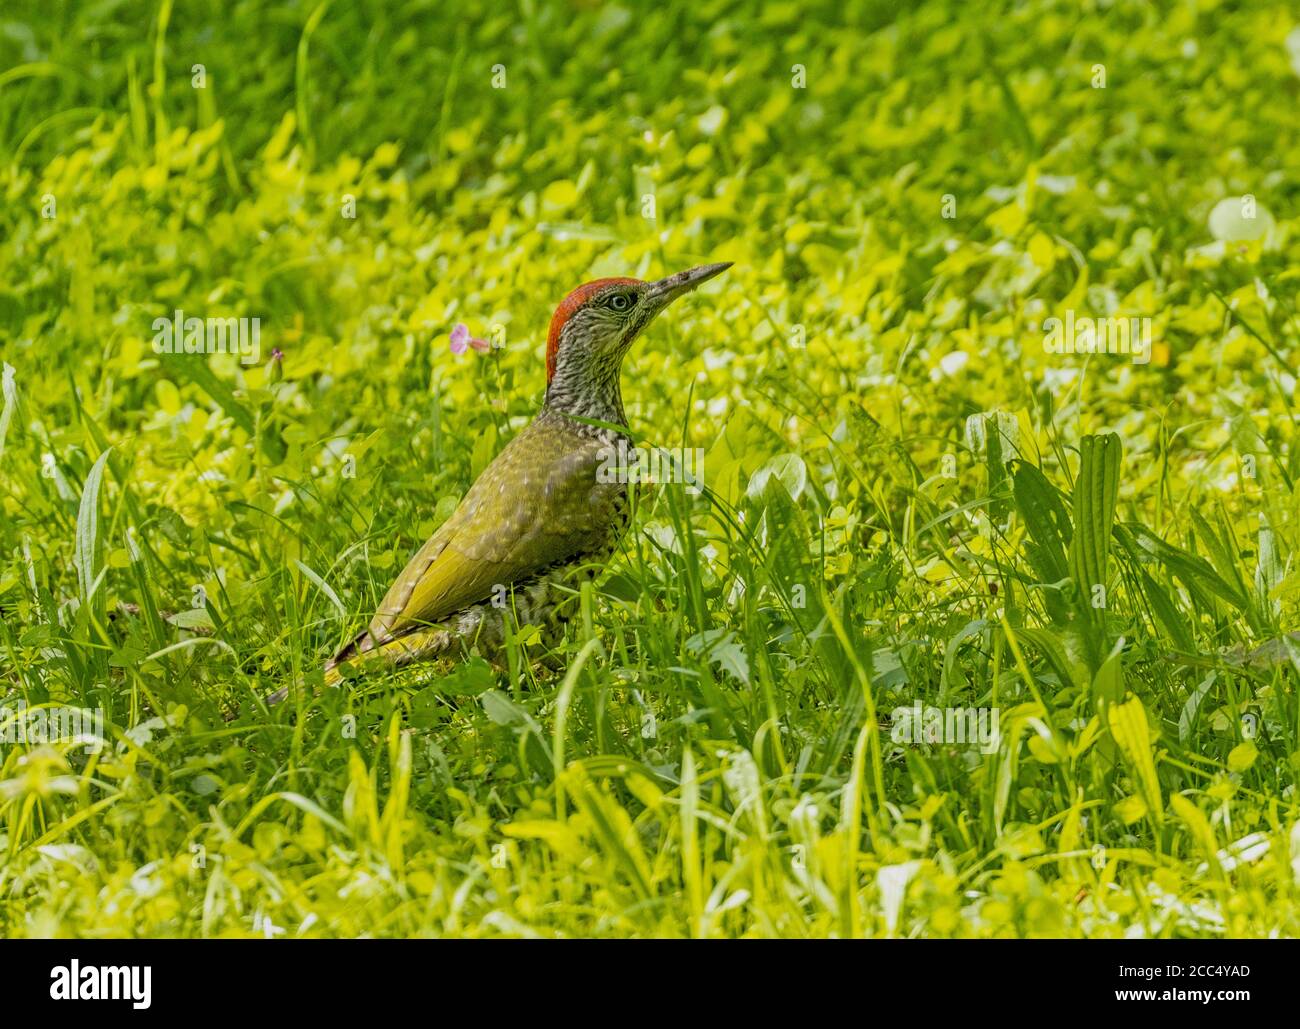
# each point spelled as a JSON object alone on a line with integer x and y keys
{"x": 361, "y": 644}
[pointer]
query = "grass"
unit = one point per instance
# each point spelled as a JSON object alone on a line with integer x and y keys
{"x": 909, "y": 499}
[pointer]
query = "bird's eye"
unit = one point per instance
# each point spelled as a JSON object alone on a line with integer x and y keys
{"x": 620, "y": 301}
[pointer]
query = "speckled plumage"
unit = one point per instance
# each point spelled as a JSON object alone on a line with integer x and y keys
{"x": 539, "y": 516}
{"x": 535, "y": 515}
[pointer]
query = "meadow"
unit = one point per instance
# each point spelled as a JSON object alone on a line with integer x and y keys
{"x": 924, "y": 516}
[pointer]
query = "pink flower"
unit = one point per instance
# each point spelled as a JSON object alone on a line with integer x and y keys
{"x": 461, "y": 339}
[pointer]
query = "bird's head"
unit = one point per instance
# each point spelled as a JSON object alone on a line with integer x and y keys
{"x": 596, "y": 324}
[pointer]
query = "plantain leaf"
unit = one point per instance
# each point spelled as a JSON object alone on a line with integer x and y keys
{"x": 1095, "y": 493}
{"x": 84, "y": 554}
{"x": 1045, "y": 517}
{"x": 1128, "y": 725}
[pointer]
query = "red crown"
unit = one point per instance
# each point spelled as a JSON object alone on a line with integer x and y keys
{"x": 565, "y": 311}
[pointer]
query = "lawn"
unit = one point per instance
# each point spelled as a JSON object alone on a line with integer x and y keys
{"x": 975, "y": 629}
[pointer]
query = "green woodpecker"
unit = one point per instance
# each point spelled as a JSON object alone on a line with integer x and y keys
{"x": 541, "y": 514}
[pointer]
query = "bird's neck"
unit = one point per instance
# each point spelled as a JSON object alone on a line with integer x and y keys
{"x": 597, "y": 397}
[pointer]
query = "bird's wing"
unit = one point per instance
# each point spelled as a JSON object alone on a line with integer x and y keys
{"x": 537, "y": 503}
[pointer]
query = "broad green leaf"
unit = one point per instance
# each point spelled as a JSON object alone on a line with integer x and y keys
{"x": 1069, "y": 670}
{"x": 1128, "y": 725}
{"x": 85, "y": 554}
{"x": 10, "y": 391}
{"x": 1242, "y": 756}
{"x": 1108, "y": 683}
{"x": 1200, "y": 829}
{"x": 1130, "y": 809}
{"x": 1045, "y": 516}
{"x": 1095, "y": 493}
{"x": 787, "y": 469}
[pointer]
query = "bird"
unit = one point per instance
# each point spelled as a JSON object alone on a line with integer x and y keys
{"x": 545, "y": 514}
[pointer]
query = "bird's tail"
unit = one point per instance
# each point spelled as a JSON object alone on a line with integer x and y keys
{"x": 362, "y": 643}
{"x": 364, "y": 654}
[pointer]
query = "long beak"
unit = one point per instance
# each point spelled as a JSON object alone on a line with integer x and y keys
{"x": 665, "y": 291}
